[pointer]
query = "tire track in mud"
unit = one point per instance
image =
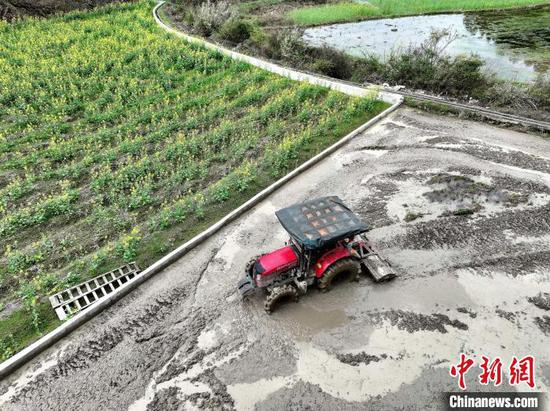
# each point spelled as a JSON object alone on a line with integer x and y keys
{"x": 203, "y": 270}
{"x": 487, "y": 232}
{"x": 512, "y": 157}
{"x": 509, "y": 206}
{"x": 499, "y": 156}
{"x": 209, "y": 351}
{"x": 486, "y": 239}
{"x": 522, "y": 262}
{"x": 159, "y": 327}
{"x": 183, "y": 355}
{"x": 169, "y": 385}
{"x": 197, "y": 325}
{"x": 217, "y": 399}
{"x": 94, "y": 349}
{"x": 437, "y": 137}
{"x": 188, "y": 379}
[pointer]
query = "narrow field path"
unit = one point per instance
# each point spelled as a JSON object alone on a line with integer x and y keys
{"x": 388, "y": 95}
{"x": 338, "y": 85}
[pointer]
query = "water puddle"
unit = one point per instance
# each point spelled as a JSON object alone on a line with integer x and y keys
{"x": 515, "y": 45}
{"x": 303, "y": 320}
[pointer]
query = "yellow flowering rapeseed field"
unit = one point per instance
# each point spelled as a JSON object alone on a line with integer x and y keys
{"x": 118, "y": 142}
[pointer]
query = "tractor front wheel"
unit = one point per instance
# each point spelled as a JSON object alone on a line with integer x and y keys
{"x": 344, "y": 267}
{"x": 278, "y": 294}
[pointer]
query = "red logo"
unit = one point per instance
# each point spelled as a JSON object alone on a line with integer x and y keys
{"x": 520, "y": 371}
{"x": 461, "y": 369}
{"x": 523, "y": 371}
{"x": 491, "y": 371}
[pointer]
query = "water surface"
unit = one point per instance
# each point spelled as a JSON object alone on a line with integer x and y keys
{"x": 514, "y": 44}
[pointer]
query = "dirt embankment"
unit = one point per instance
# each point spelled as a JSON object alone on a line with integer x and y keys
{"x": 13, "y": 9}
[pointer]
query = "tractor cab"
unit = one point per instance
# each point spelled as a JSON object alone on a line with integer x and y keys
{"x": 326, "y": 240}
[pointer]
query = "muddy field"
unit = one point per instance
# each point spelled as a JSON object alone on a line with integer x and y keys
{"x": 461, "y": 209}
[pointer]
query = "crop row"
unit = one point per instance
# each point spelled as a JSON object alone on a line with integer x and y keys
{"x": 117, "y": 141}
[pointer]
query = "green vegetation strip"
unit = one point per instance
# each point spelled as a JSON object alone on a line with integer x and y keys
{"x": 118, "y": 142}
{"x": 351, "y": 11}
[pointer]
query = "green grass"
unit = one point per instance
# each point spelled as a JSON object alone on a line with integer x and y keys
{"x": 349, "y": 11}
{"x": 250, "y": 6}
{"x": 332, "y": 13}
{"x": 118, "y": 142}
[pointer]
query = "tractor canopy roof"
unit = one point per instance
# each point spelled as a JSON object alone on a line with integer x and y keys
{"x": 317, "y": 223}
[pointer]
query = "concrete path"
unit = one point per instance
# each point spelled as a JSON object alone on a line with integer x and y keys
{"x": 469, "y": 283}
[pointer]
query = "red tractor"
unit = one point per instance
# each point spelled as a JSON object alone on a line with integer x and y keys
{"x": 327, "y": 241}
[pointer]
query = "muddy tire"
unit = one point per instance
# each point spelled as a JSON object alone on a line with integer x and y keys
{"x": 345, "y": 266}
{"x": 278, "y": 294}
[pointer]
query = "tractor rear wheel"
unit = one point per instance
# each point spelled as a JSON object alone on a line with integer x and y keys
{"x": 344, "y": 267}
{"x": 278, "y": 294}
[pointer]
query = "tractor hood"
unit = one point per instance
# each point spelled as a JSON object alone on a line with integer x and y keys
{"x": 276, "y": 261}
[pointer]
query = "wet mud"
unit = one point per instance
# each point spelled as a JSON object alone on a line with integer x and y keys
{"x": 361, "y": 358}
{"x": 475, "y": 282}
{"x": 543, "y": 323}
{"x": 542, "y": 301}
{"x": 413, "y": 322}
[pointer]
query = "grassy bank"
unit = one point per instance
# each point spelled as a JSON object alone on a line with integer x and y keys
{"x": 118, "y": 142}
{"x": 350, "y": 11}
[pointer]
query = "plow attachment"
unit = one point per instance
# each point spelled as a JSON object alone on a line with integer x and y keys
{"x": 379, "y": 268}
